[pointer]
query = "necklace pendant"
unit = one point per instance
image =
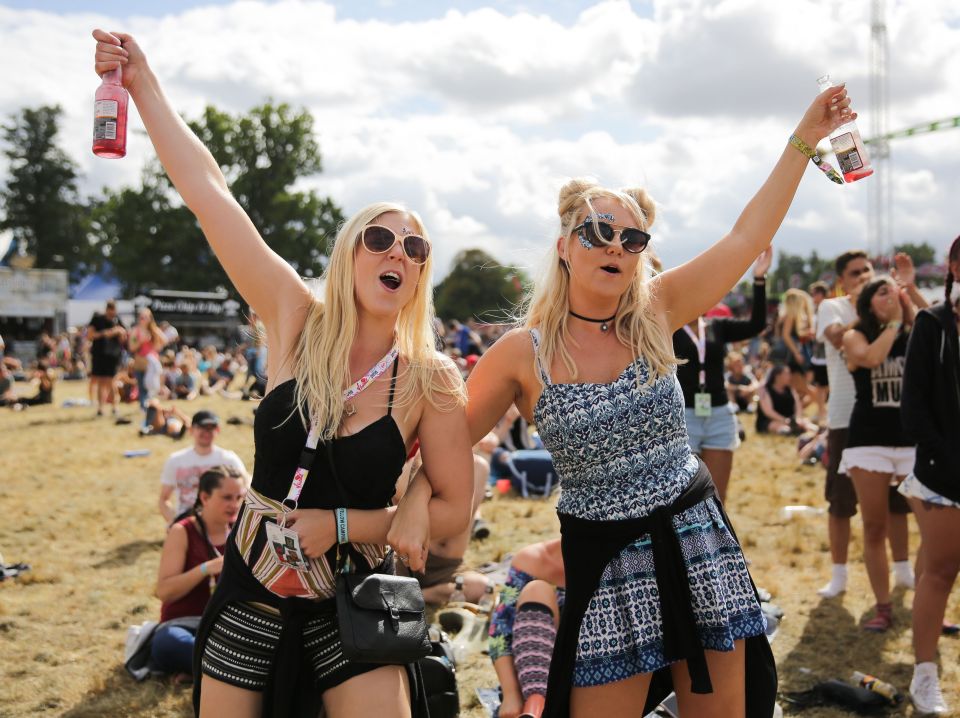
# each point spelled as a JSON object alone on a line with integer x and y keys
{"x": 604, "y": 327}
{"x": 349, "y": 410}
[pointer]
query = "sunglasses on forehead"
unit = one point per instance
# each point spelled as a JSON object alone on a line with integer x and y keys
{"x": 378, "y": 239}
{"x": 601, "y": 234}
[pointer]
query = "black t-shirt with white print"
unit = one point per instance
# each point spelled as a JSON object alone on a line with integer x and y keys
{"x": 876, "y": 412}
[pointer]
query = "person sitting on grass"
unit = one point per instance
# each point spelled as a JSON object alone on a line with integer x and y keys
{"x": 8, "y": 397}
{"x": 190, "y": 565}
{"x": 523, "y": 628}
{"x": 780, "y": 409}
{"x": 445, "y": 574}
{"x": 164, "y": 421}
{"x": 45, "y": 379}
{"x": 741, "y": 384}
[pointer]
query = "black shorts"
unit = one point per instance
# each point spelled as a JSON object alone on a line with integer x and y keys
{"x": 820, "y": 375}
{"x": 839, "y": 491}
{"x": 243, "y": 640}
{"x": 104, "y": 366}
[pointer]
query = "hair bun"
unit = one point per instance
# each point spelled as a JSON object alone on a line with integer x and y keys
{"x": 572, "y": 192}
{"x": 645, "y": 201}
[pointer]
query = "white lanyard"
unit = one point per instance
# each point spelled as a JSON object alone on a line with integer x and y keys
{"x": 700, "y": 340}
{"x": 313, "y": 436}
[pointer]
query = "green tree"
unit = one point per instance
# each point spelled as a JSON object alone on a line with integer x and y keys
{"x": 921, "y": 253}
{"x": 151, "y": 240}
{"x": 479, "y": 286}
{"x": 794, "y": 270}
{"x": 42, "y": 207}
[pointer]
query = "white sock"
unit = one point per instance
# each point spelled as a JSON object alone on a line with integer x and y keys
{"x": 903, "y": 574}
{"x": 927, "y": 667}
{"x": 838, "y": 581}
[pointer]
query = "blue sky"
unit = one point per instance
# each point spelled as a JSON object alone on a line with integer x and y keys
{"x": 476, "y": 117}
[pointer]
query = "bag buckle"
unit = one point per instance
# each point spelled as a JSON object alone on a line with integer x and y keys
{"x": 388, "y": 600}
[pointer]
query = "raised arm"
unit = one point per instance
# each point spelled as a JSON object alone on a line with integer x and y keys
{"x": 689, "y": 290}
{"x": 261, "y": 276}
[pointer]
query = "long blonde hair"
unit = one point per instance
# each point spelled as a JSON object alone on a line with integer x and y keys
{"x": 798, "y": 305}
{"x": 547, "y": 308}
{"x": 322, "y": 357}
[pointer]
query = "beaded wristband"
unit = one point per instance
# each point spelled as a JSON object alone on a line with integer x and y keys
{"x": 341, "y": 515}
{"x": 203, "y": 569}
{"x": 817, "y": 160}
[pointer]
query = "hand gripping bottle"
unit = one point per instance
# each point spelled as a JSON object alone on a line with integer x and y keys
{"x": 110, "y": 117}
{"x": 848, "y": 146}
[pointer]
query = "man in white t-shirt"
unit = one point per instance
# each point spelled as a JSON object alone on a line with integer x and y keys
{"x": 834, "y": 317}
{"x": 183, "y": 468}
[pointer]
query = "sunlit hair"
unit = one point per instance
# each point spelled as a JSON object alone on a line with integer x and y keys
{"x": 156, "y": 334}
{"x": 798, "y": 306}
{"x": 322, "y": 357}
{"x": 547, "y": 308}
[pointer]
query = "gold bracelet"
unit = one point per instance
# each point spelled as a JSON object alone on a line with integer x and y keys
{"x": 817, "y": 160}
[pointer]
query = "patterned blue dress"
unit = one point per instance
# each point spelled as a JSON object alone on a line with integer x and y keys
{"x": 621, "y": 452}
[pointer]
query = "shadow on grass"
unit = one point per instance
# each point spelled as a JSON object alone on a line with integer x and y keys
{"x": 833, "y": 645}
{"x": 119, "y": 695}
{"x": 128, "y": 554}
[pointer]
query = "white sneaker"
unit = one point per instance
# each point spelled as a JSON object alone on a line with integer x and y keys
{"x": 925, "y": 692}
{"x": 832, "y": 589}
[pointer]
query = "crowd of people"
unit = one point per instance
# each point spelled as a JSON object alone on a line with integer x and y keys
{"x": 634, "y": 380}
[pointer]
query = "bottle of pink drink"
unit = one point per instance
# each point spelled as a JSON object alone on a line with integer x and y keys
{"x": 110, "y": 117}
{"x": 848, "y": 146}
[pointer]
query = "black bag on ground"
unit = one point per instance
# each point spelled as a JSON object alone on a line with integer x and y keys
{"x": 440, "y": 680}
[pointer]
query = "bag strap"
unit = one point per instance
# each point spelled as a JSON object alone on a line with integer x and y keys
{"x": 313, "y": 434}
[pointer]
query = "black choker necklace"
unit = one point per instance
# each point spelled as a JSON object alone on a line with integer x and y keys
{"x": 604, "y": 323}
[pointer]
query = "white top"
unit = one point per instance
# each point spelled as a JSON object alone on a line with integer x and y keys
{"x": 842, "y": 393}
{"x": 184, "y": 467}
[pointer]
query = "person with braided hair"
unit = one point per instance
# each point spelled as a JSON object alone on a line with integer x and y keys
{"x": 930, "y": 414}
{"x": 190, "y": 565}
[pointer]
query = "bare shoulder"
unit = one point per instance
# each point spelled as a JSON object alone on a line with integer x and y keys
{"x": 514, "y": 346}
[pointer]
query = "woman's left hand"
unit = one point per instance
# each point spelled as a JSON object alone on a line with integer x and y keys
{"x": 830, "y": 109}
{"x": 315, "y": 528}
{"x": 762, "y": 263}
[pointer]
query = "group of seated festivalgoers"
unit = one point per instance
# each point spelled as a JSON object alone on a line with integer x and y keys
{"x": 380, "y": 431}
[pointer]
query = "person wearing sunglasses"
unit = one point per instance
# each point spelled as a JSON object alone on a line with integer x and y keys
{"x": 354, "y": 380}
{"x": 647, "y": 548}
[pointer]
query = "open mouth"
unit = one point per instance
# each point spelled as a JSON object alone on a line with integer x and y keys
{"x": 391, "y": 280}
{"x": 611, "y": 269}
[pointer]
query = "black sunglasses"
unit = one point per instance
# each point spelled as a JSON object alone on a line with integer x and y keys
{"x": 601, "y": 234}
{"x": 378, "y": 239}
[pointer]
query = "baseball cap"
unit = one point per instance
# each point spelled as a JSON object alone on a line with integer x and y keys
{"x": 205, "y": 418}
{"x": 472, "y": 359}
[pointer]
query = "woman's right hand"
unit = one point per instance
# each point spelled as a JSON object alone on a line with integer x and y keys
{"x": 511, "y": 706}
{"x": 215, "y": 566}
{"x": 115, "y": 50}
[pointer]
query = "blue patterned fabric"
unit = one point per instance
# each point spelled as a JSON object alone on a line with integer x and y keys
{"x": 621, "y": 452}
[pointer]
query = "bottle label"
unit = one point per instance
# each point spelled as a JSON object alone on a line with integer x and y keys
{"x": 105, "y": 120}
{"x": 845, "y": 148}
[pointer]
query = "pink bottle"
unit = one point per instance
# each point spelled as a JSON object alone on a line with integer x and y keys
{"x": 110, "y": 117}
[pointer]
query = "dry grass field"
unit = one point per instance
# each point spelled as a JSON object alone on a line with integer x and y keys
{"x": 85, "y": 518}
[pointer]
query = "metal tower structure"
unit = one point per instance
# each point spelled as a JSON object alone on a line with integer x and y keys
{"x": 879, "y": 198}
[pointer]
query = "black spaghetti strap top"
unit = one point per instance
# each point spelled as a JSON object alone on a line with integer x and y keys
{"x": 368, "y": 462}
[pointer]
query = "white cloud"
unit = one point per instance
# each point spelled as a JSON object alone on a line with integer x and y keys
{"x": 476, "y": 118}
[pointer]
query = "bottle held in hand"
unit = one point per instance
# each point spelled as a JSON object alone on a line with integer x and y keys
{"x": 110, "y": 117}
{"x": 848, "y": 146}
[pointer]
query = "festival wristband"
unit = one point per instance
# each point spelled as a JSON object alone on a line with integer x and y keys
{"x": 817, "y": 160}
{"x": 341, "y": 515}
{"x": 895, "y": 325}
{"x": 203, "y": 569}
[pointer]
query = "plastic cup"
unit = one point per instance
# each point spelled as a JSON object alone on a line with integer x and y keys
{"x": 503, "y": 485}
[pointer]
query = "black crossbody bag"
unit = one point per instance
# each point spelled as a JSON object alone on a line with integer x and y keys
{"x": 380, "y": 616}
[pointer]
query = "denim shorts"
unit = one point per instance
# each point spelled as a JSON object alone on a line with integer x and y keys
{"x": 717, "y": 431}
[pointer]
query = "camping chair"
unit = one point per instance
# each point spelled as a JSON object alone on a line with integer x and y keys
{"x": 532, "y": 472}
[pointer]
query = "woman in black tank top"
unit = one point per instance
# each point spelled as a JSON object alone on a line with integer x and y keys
{"x": 878, "y": 453}
{"x": 269, "y": 644}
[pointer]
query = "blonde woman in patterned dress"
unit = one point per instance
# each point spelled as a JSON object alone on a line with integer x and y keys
{"x": 593, "y": 367}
